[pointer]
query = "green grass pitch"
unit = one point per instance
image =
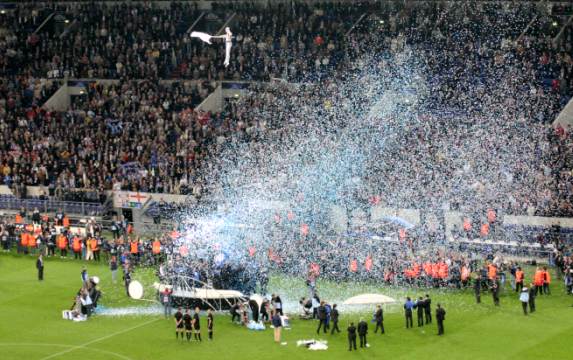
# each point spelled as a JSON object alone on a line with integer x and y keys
{"x": 31, "y": 326}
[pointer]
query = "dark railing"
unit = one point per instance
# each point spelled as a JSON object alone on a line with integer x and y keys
{"x": 9, "y": 202}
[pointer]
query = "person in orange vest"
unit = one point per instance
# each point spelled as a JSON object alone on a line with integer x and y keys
{"x": 89, "y": 255}
{"x": 427, "y": 267}
{"x": 546, "y": 281}
{"x": 402, "y": 235}
{"x": 368, "y": 263}
{"x": 443, "y": 273}
{"x": 519, "y": 278}
{"x": 94, "y": 248}
{"x": 19, "y": 219}
{"x": 66, "y": 222}
{"x": 31, "y": 242}
{"x": 484, "y": 230}
{"x": 416, "y": 269}
{"x": 538, "y": 281}
{"x": 77, "y": 247}
{"x": 492, "y": 220}
{"x": 465, "y": 275}
{"x": 408, "y": 275}
{"x": 133, "y": 247}
{"x": 388, "y": 276}
{"x": 304, "y": 228}
{"x": 491, "y": 272}
{"x": 63, "y": 245}
{"x": 467, "y": 226}
{"x": 156, "y": 250}
{"x": 353, "y": 266}
{"x": 134, "y": 250}
{"x": 491, "y": 216}
{"x": 435, "y": 273}
{"x": 23, "y": 242}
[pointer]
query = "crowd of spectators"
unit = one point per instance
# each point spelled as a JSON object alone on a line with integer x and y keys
{"x": 146, "y": 40}
{"x": 456, "y": 152}
{"x": 134, "y": 134}
{"x": 20, "y": 108}
{"x": 99, "y": 40}
{"x": 143, "y": 135}
{"x": 52, "y": 237}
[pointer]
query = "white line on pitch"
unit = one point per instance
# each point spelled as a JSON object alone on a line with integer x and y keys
{"x": 98, "y": 339}
{"x": 66, "y": 346}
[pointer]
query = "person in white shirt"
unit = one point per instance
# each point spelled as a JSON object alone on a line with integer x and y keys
{"x": 524, "y": 298}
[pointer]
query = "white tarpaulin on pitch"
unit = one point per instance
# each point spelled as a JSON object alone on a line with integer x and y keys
{"x": 369, "y": 299}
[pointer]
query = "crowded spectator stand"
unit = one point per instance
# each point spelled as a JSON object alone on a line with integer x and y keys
{"x": 143, "y": 133}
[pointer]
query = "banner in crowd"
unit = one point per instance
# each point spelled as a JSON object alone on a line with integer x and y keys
{"x": 130, "y": 199}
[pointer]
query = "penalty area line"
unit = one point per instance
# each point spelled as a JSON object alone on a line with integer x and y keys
{"x": 77, "y": 347}
{"x": 64, "y": 346}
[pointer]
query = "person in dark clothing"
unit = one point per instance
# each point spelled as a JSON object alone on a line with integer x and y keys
{"x": 179, "y": 324}
{"x": 210, "y": 323}
{"x": 278, "y": 303}
{"x": 532, "y": 292}
{"x": 440, "y": 317}
{"x": 277, "y": 323}
{"x": 362, "y": 332}
{"x": 495, "y": 291}
{"x": 420, "y": 305}
{"x": 40, "y": 267}
{"x": 351, "y": 337}
{"x": 334, "y": 317}
{"x": 235, "y": 312}
{"x": 51, "y": 244}
{"x": 187, "y": 323}
{"x": 483, "y": 279}
{"x": 546, "y": 281}
{"x": 379, "y": 318}
{"x": 408, "y": 306}
{"x": 4, "y": 240}
{"x": 477, "y": 289}
{"x": 264, "y": 310}
{"x": 84, "y": 275}
{"x": 254, "y": 310}
{"x": 328, "y": 310}
{"x": 428, "y": 309}
{"x": 321, "y": 313}
{"x": 127, "y": 281}
{"x": 315, "y": 301}
{"x": 196, "y": 325}
{"x": 36, "y": 217}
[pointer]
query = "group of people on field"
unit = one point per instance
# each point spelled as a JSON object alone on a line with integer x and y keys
{"x": 189, "y": 325}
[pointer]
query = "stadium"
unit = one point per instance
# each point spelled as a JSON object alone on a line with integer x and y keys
{"x": 286, "y": 179}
